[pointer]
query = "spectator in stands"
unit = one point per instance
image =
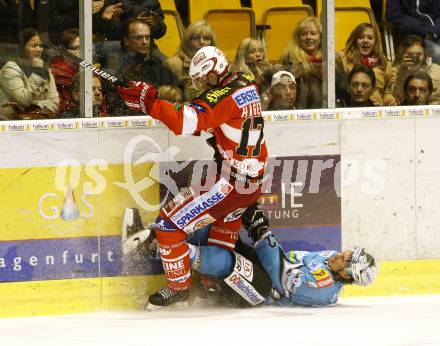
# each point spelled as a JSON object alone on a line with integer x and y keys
{"x": 8, "y": 20}
{"x": 199, "y": 34}
{"x": 27, "y": 85}
{"x": 421, "y": 17}
{"x": 110, "y": 24}
{"x": 303, "y": 58}
{"x": 363, "y": 47}
{"x": 63, "y": 68}
{"x": 99, "y": 104}
{"x": 411, "y": 57}
{"x": 251, "y": 59}
{"x": 99, "y": 100}
{"x": 418, "y": 89}
{"x": 282, "y": 91}
{"x": 361, "y": 85}
{"x": 134, "y": 61}
{"x": 170, "y": 93}
{"x": 64, "y": 15}
{"x": 17, "y": 15}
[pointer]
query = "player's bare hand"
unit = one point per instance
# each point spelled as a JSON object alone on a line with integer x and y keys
{"x": 97, "y": 5}
{"x": 112, "y": 11}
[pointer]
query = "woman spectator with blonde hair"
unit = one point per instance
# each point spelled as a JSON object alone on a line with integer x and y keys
{"x": 303, "y": 57}
{"x": 363, "y": 46}
{"x": 251, "y": 59}
{"x": 198, "y": 35}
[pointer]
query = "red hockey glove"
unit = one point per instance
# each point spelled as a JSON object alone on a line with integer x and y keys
{"x": 139, "y": 96}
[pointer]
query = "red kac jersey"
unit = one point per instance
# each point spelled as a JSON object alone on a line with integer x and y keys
{"x": 232, "y": 113}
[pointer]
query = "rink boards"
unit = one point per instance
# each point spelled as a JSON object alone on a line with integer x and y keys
{"x": 65, "y": 186}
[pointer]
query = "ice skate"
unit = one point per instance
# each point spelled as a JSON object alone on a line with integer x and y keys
{"x": 133, "y": 231}
{"x": 168, "y": 298}
{"x": 209, "y": 290}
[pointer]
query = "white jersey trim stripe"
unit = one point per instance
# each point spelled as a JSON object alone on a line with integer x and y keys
{"x": 215, "y": 241}
{"x": 235, "y": 134}
{"x": 190, "y": 121}
{"x": 180, "y": 278}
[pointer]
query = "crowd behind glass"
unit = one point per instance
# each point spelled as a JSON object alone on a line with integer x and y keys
{"x": 39, "y": 79}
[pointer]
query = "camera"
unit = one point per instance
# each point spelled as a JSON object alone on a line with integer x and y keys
{"x": 415, "y": 59}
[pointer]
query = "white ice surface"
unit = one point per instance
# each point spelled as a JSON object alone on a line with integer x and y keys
{"x": 389, "y": 321}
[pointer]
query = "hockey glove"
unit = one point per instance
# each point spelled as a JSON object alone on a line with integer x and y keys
{"x": 255, "y": 222}
{"x": 139, "y": 96}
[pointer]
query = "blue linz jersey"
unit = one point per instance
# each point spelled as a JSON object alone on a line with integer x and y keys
{"x": 318, "y": 285}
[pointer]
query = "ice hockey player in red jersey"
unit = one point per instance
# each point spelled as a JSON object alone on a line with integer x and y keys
{"x": 229, "y": 107}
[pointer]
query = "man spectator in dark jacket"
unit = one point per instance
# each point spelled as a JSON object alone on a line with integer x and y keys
{"x": 417, "y": 17}
{"x": 135, "y": 61}
{"x": 418, "y": 89}
{"x": 361, "y": 84}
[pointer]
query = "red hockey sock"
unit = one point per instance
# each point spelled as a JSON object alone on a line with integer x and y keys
{"x": 174, "y": 252}
{"x": 222, "y": 237}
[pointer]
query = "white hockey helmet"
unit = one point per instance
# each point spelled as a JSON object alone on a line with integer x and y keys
{"x": 362, "y": 267}
{"x": 208, "y": 59}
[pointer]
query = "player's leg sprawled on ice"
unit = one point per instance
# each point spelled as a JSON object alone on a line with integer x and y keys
{"x": 229, "y": 108}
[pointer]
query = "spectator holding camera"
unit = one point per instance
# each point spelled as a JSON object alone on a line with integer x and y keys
{"x": 64, "y": 15}
{"x": 27, "y": 87}
{"x": 411, "y": 57}
{"x": 363, "y": 47}
{"x": 418, "y": 89}
{"x": 115, "y": 13}
{"x": 416, "y": 17}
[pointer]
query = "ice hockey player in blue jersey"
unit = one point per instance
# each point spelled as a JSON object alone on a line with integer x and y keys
{"x": 289, "y": 278}
{"x": 266, "y": 274}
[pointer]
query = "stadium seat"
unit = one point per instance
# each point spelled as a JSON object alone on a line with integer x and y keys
{"x": 231, "y": 27}
{"x": 279, "y": 23}
{"x": 198, "y": 8}
{"x": 169, "y": 43}
{"x": 343, "y": 3}
{"x": 261, "y": 6}
{"x": 346, "y": 19}
{"x": 168, "y": 5}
